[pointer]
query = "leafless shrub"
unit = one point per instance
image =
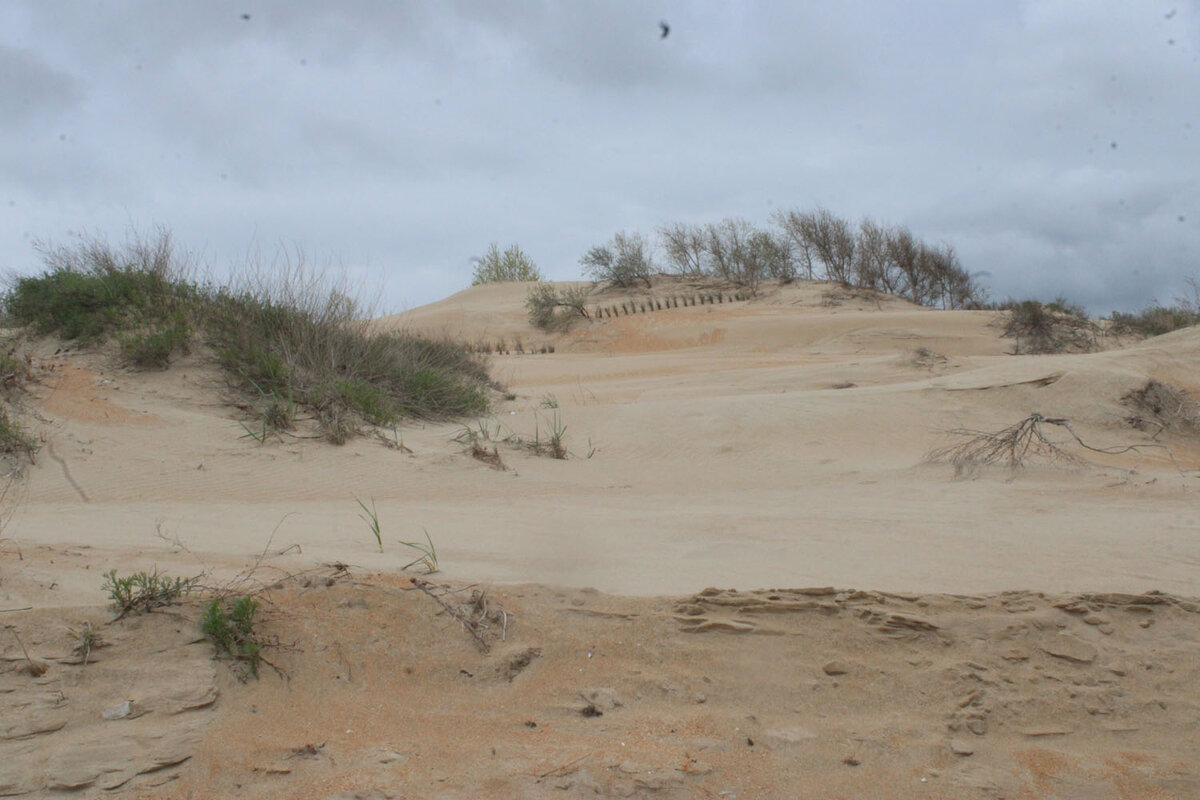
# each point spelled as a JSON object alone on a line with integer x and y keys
{"x": 624, "y": 261}
{"x": 926, "y": 358}
{"x": 1013, "y": 447}
{"x": 1162, "y": 407}
{"x": 1056, "y": 327}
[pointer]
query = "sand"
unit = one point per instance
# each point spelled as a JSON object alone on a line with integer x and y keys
{"x": 995, "y": 634}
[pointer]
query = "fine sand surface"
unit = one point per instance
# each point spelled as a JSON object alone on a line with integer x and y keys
{"x": 1014, "y": 634}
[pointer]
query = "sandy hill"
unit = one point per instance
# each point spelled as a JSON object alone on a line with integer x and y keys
{"x": 997, "y": 650}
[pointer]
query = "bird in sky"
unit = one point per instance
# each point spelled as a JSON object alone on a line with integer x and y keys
{"x": 666, "y": 30}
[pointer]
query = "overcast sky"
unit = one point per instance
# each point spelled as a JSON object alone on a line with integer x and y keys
{"x": 1054, "y": 144}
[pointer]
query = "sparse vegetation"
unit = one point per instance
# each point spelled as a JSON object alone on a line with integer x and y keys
{"x": 428, "y": 558}
{"x": 14, "y": 439}
{"x": 548, "y": 439}
{"x": 1153, "y": 321}
{"x": 144, "y": 591}
{"x": 428, "y": 553}
{"x": 1161, "y": 407}
{"x": 229, "y": 623}
{"x": 371, "y": 517}
{"x": 1157, "y": 319}
{"x": 290, "y": 339}
{"x": 1055, "y": 327}
{"x": 511, "y": 265}
{"x": 819, "y": 245}
{"x": 554, "y": 445}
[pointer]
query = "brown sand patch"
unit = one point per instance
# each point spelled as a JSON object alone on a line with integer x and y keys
{"x": 81, "y": 394}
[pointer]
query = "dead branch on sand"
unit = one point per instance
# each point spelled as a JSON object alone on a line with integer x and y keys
{"x": 1019, "y": 444}
{"x": 476, "y": 615}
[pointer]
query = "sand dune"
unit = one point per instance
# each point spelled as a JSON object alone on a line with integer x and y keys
{"x": 779, "y": 442}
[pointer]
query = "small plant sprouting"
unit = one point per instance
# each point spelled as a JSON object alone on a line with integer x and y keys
{"x": 259, "y": 436}
{"x": 87, "y": 639}
{"x": 558, "y": 430}
{"x": 371, "y": 517}
{"x": 230, "y": 625}
{"x": 549, "y": 401}
{"x": 145, "y": 591}
{"x": 428, "y": 558}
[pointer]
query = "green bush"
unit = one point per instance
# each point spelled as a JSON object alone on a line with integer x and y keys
{"x": 144, "y": 591}
{"x": 92, "y": 289}
{"x": 511, "y": 265}
{"x": 230, "y": 626}
{"x": 553, "y": 310}
{"x": 288, "y": 339}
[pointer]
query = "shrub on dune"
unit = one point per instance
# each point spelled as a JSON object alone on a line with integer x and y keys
{"x": 287, "y": 337}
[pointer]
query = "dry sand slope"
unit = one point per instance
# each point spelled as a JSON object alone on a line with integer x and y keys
{"x": 1006, "y": 645}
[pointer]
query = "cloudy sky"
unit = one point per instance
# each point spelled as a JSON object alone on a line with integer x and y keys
{"x": 1054, "y": 143}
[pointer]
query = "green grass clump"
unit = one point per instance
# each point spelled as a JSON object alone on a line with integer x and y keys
{"x": 144, "y": 591}
{"x": 93, "y": 290}
{"x": 14, "y": 439}
{"x": 288, "y": 339}
{"x": 230, "y": 626}
{"x": 153, "y": 349}
{"x": 321, "y": 355}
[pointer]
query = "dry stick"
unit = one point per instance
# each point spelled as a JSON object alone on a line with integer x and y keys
{"x": 1014, "y": 443}
{"x": 559, "y": 769}
{"x": 1112, "y": 451}
{"x": 35, "y": 669}
{"x": 466, "y": 621}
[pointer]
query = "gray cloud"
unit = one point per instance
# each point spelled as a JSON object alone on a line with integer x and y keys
{"x": 34, "y": 91}
{"x": 400, "y": 139}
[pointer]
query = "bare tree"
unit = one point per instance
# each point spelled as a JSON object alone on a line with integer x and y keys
{"x": 623, "y": 262}
{"x": 685, "y": 249}
{"x": 953, "y": 286}
{"x": 774, "y": 255}
{"x": 794, "y": 227}
{"x": 905, "y": 252}
{"x": 725, "y": 241}
{"x": 739, "y": 253}
{"x": 832, "y": 241}
{"x": 873, "y": 267}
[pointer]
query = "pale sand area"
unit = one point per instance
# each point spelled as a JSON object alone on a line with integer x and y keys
{"x": 721, "y": 455}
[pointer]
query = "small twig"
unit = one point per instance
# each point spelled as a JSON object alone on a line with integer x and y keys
{"x": 559, "y": 769}
{"x": 466, "y": 621}
{"x": 22, "y": 608}
{"x": 35, "y": 669}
